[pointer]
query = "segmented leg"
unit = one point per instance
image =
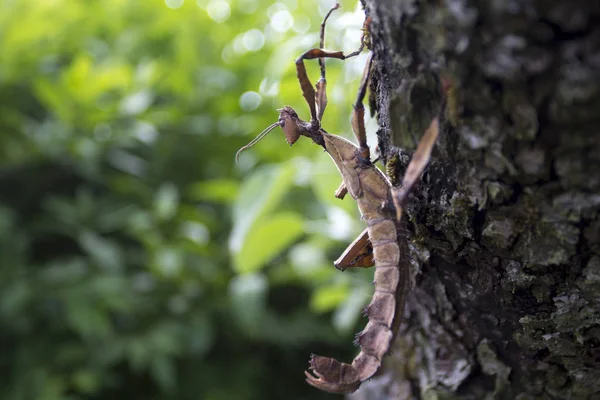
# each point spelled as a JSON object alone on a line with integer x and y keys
{"x": 321, "y": 96}
{"x": 358, "y": 254}
{"x": 417, "y": 164}
{"x": 317, "y": 100}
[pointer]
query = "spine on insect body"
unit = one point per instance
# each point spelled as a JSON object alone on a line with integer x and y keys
{"x": 371, "y": 189}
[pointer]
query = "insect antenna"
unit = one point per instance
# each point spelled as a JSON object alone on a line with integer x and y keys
{"x": 256, "y": 140}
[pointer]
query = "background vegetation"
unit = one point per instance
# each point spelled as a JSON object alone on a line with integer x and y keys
{"x": 137, "y": 260}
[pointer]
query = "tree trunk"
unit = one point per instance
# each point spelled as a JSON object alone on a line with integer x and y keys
{"x": 505, "y": 227}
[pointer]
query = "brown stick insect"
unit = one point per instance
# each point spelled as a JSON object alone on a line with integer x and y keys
{"x": 383, "y": 243}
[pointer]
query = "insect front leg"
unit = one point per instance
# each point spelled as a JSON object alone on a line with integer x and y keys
{"x": 308, "y": 91}
{"x": 321, "y": 95}
{"x": 317, "y": 100}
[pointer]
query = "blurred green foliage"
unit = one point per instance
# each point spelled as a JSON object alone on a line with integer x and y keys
{"x": 137, "y": 260}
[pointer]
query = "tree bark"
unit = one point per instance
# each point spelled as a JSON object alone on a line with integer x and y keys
{"x": 505, "y": 226}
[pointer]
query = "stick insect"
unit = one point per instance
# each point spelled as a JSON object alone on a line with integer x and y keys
{"x": 384, "y": 242}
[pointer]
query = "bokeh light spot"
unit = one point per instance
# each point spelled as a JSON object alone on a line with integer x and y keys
{"x": 218, "y": 10}
{"x": 253, "y": 40}
{"x": 228, "y": 55}
{"x": 273, "y": 8}
{"x": 282, "y": 21}
{"x": 301, "y": 24}
{"x": 174, "y": 4}
{"x": 250, "y": 101}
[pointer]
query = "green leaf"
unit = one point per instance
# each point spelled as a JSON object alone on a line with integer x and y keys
{"x": 138, "y": 354}
{"x": 86, "y": 318}
{"x": 166, "y": 201}
{"x": 195, "y": 231}
{"x": 258, "y": 195}
{"x": 15, "y": 298}
{"x": 105, "y": 253}
{"x": 270, "y": 237}
{"x": 248, "y": 299}
{"x": 216, "y": 190}
{"x": 326, "y": 298}
{"x": 163, "y": 372}
{"x": 204, "y": 333}
{"x": 86, "y": 381}
{"x": 168, "y": 261}
{"x": 347, "y": 314}
{"x": 52, "y": 95}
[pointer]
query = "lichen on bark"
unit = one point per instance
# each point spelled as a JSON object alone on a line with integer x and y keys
{"x": 505, "y": 223}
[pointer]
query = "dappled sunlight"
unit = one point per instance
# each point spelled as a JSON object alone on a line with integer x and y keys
{"x": 218, "y": 10}
{"x": 282, "y": 21}
{"x": 249, "y": 101}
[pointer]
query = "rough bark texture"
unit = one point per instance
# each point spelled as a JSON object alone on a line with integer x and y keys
{"x": 506, "y": 233}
